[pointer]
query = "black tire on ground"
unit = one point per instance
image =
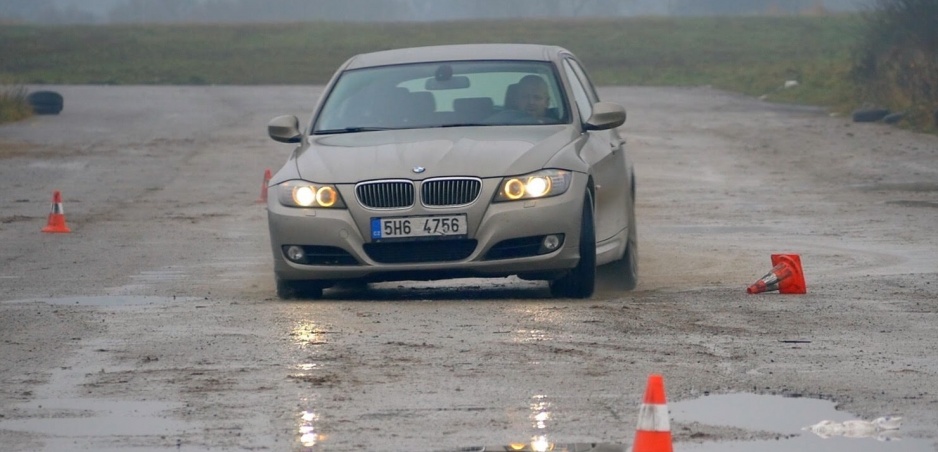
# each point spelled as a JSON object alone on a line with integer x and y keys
{"x": 45, "y": 102}
{"x": 292, "y": 290}
{"x": 580, "y": 282}
{"x": 871, "y": 115}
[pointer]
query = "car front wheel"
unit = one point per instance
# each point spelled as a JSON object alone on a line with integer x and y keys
{"x": 581, "y": 280}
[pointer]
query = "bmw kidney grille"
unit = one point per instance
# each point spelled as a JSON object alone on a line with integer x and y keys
{"x": 400, "y": 194}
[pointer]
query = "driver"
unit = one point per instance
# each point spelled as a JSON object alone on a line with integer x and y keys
{"x": 532, "y": 97}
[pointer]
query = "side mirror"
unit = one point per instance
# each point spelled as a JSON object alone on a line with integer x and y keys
{"x": 606, "y": 115}
{"x": 285, "y": 129}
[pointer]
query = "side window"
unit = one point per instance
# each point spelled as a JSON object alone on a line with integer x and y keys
{"x": 584, "y": 80}
{"x": 583, "y": 102}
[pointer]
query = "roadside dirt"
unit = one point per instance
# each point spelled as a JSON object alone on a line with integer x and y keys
{"x": 154, "y": 324}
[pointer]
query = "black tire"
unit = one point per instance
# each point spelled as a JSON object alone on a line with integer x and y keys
{"x": 580, "y": 282}
{"x": 871, "y": 115}
{"x": 45, "y": 102}
{"x": 292, "y": 290}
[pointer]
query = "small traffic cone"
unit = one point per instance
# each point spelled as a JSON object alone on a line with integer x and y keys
{"x": 786, "y": 276}
{"x": 266, "y": 181}
{"x": 56, "y": 223}
{"x": 653, "y": 433}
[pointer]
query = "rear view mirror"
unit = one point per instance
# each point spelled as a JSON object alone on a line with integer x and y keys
{"x": 285, "y": 129}
{"x": 455, "y": 82}
{"x": 606, "y": 116}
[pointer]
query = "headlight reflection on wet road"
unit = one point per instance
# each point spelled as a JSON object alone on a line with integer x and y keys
{"x": 308, "y": 333}
{"x": 540, "y": 414}
{"x": 308, "y": 435}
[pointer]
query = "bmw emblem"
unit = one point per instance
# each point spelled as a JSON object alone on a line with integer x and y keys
{"x": 419, "y": 169}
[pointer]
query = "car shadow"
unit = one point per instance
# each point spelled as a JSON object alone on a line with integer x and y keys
{"x": 509, "y": 289}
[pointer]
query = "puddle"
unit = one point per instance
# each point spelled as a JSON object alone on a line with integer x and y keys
{"x": 63, "y": 421}
{"x": 110, "y": 301}
{"x": 785, "y": 416}
{"x": 541, "y": 418}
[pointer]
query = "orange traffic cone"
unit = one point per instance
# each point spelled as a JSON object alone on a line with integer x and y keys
{"x": 56, "y": 223}
{"x": 266, "y": 181}
{"x": 653, "y": 433}
{"x": 786, "y": 276}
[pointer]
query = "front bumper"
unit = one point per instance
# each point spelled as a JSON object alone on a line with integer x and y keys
{"x": 501, "y": 239}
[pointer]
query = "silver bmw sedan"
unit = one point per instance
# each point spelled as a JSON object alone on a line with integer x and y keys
{"x": 482, "y": 160}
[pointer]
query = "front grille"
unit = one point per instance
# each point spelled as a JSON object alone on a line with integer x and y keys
{"x": 450, "y": 192}
{"x": 395, "y": 194}
{"x": 420, "y": 251}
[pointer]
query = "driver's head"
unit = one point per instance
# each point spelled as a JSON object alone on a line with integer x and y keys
{"x": 533, "y": 97}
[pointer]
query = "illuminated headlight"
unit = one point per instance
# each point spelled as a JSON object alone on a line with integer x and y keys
{"x": 297, "y": 193}
{"x": 542, "y": 184}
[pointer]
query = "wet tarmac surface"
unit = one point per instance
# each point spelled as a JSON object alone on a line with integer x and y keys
{"x": 154, "y": 325}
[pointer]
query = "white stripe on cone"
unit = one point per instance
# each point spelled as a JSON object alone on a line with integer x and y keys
{"x": 654, "y": 418}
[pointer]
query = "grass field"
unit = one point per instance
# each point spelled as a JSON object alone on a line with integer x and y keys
{"x": 751, "y": 55}
{"x": 13, "y": 106}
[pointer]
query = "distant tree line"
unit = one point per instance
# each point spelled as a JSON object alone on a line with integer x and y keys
{"x": 746, "y": 7}
{"x": 427, "y": 10}
{"x": 897, "y": 61}
{"x": 358, "y": 10}
{"x": 227, "y": 11}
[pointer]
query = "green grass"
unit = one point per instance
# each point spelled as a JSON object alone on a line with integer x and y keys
{"x": 751, "y": 55}
{"x": 13, "y": 105}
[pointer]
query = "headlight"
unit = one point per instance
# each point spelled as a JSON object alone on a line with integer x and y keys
{"x": 298, "y": 193}
{"x": 542, "y": 184}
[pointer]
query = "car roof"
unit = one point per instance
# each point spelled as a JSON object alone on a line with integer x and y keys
{"x": 457, "y": 52}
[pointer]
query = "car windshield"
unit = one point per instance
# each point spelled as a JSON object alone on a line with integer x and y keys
{"x": 448, "y": 94}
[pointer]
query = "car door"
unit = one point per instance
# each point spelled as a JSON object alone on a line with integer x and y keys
{"x": 604, "y": 152}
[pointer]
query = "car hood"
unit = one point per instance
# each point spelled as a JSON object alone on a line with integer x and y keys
{"x": 465, "y": 151}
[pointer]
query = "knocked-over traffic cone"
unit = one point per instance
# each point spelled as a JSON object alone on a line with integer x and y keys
{"x": 264, "y": 183}
{"x": 653, "y": 433}
{"x": 786, "y": 276}
{"x": 56, "y": 223}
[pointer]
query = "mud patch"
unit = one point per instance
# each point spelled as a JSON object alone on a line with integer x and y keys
{"x": 11, "y": 150}
{"x": 916, "y": 187}
{"x": 109, "y": 301}
{"x": 709, "y": 229}
{"x": 16, "y": 219}
{"x": 907, "y": 203}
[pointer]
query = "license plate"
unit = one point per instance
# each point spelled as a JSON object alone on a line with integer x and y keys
{"x": 418, "y": 227}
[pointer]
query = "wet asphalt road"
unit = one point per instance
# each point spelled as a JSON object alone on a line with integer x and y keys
{"x": 154, "y": 325}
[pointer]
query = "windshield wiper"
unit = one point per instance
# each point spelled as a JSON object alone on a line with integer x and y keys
{"x": 466, "y": 124}
{"x": 351, "y": 130}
